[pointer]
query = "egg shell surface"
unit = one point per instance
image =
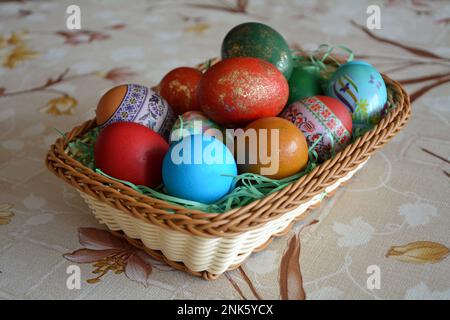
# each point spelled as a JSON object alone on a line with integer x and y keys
{"x": 191, "y": 123}
{"x": 254, "y": 39}
{"x": 236, "y": 91}
{"x": 199, "y": 168}
{"x": 131, "y": 152}
{"x": 179, "y": 89}
{"x": 321, "y": 118}
{"x": 304, "y": 82}
{"x": 361, "y": 88}
{"x": 288, "y": 154}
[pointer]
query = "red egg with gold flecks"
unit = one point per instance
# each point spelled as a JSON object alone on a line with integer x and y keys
{"x": 179, "y": 88}
{"x": 325, "y": 122}
{"x": 237, "y": 91}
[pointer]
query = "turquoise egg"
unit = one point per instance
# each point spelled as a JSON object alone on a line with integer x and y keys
{"x": 361, "y": 88}
{"x": 199, "y": 168}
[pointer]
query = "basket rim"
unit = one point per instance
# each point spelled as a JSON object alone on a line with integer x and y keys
{"x": 237, "y": 220}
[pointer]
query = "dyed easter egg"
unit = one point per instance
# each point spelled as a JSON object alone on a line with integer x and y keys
{"x": 324, "y": 121}
{"x": 199, "y": 168}
{"x": 278, "y": 149}
{"x": 131, "y": 152}
{"x": 135, "y": 103}
{"x": 253, "y": 39}
{"x": 361, "y": 88}
{"x": 194, "y": 122}
{"x": 304, "y": 82}
{"x": 237, "y": 91}
{"x": 179, "y": 89}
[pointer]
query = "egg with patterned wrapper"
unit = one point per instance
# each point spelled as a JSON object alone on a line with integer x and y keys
{"x": 325, "y": 122}
{"x": 138, "y": 104}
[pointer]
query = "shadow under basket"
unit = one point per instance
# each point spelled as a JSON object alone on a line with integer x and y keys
{"x": 208, "y": 244}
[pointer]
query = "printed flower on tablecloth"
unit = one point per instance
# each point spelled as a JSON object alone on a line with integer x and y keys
{"x": 109, "y": 253}
{"x": 64, "y": 105}
{"x": 198, "y": 28}
{"x": 422, "y": 292}
{"x": 357, "y": 233}
{"x": 417, "y": 214}
{"x": 14, "y": 50}
{"x": 5, "y": 213}
{"x": 120, "y": 74}
{"x": 82, "y": 36}
{"x": 326, "y": 293}
{"x": 262, "y": 263}
{"x": 33, "y": 202}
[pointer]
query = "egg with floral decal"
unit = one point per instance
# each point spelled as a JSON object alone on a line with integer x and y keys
{"x": 193, "y": 122}
{"x": 361, "y": 88}
{"x": 135, "y": 103}
{"x": 325, "y": 122}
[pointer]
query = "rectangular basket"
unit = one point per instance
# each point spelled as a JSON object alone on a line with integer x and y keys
{"x": 208, "y": 244}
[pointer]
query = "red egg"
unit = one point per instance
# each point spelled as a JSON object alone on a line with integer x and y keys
{"x": 131, "y": 152}
{"x": 179, "y": 88}
{"x": 237, "y": 91}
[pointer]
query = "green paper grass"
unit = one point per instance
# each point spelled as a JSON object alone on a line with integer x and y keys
{"x": 246, "y": 187}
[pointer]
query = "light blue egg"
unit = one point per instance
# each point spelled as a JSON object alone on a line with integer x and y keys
{"x": 199, "y": 168}
{"x": 360, "y": 87}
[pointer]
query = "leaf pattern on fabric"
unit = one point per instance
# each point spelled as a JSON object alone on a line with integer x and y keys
{"x": 109, "y": 253}
{"x": 16, "y": 49}
{"x": 78, "y": 37}
{"x": 291, "y": 281}
{"x": 137, "y": 270}
{"x": 5, "y": 213}
{"x": 198, "y": 28}
{"x": 419, "y": 252}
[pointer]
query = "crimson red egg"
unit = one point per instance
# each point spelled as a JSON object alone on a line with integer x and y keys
{"x": 179, "y": 88}
{"x": 239, "y": 90}
{"x": 131, "y": 152}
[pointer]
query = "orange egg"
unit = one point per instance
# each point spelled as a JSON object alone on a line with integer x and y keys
{"x": 274, "y": 147}
{"x": 138, "y": 104}
{"x": 109, "y": 102}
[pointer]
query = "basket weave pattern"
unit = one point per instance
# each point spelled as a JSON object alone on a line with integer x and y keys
{"x": 207, "y": 244}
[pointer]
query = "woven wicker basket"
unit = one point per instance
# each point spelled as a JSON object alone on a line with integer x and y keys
{"x": 208, "y": 244}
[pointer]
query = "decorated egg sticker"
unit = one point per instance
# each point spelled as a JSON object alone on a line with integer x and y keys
{"x": 361, "y": 88}
{"x": 191, "y": 123}
{"x": 135, "y": 103}
{"x": 324, "y": 121}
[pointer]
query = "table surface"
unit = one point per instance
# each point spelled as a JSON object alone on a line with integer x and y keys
{"x": 391, "y": 220}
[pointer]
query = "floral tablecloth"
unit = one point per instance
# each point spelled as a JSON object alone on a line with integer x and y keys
{"x": 383, "y": 236}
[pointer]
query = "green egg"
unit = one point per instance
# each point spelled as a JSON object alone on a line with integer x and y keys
{"x": 304, "y": 82}
{"x": 252, "y": 39}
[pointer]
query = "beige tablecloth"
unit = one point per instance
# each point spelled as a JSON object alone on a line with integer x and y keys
{"x": 385, "y": 235}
